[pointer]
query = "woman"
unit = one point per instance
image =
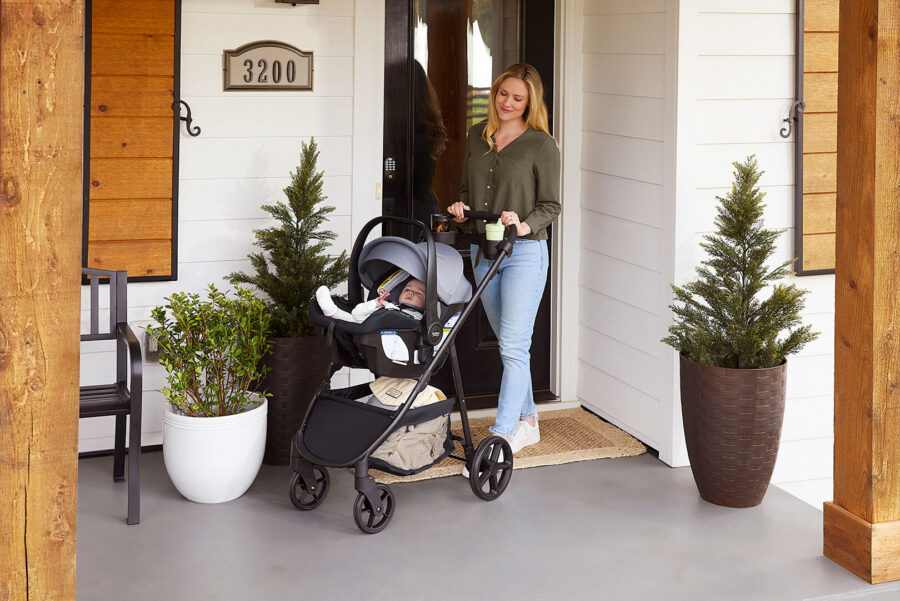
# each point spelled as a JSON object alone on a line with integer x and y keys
{"x": 512, "y": 168}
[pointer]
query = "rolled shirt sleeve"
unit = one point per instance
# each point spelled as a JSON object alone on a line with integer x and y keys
{"x": 546, "y": 175}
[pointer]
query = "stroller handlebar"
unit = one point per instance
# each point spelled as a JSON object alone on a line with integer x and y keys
{"x": 481, "y": 215}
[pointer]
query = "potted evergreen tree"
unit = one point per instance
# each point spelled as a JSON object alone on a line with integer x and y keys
{"x": 214, "y": 423}
{"x": 733, "y": 345}
{"x": 293, "y": 263}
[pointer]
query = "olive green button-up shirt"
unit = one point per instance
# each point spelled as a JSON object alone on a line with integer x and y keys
{"x": 523, "y": 177}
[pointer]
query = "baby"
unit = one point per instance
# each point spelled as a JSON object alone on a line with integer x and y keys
{"x": 413, "y": 295}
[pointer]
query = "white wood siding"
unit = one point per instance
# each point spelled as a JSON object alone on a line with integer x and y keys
{"x": 623, "y": 368}
{"x": 744, "y": 88}
{"x": 651, "y": 175}
{"x": 250, "y": 142}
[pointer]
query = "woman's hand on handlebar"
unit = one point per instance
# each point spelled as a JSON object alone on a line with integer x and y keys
{"x": 456, "y": 209}
{"x": 509, "y": 218}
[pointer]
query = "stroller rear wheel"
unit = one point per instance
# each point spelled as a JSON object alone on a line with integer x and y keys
{"x": 367, "y": 519}
{"x": 305, "y": 499}
{"x": 492, "y": 468}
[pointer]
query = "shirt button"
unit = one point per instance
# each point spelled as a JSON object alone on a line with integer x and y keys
{"x": 489, "y": 187}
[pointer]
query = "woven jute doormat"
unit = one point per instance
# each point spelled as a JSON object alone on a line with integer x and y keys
{"x": 567, "y": 435}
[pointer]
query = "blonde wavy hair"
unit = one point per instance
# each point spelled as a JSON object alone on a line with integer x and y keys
{"x": 535, "y": 113}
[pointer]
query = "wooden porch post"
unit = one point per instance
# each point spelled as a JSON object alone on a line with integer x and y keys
{"x": 862, "y": 525}
{"x": 41, "y": 131}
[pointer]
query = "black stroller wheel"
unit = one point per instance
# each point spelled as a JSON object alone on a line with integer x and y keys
{"x": 304, "y": 499}
{"x": 492, "y": 468}
{"x": 367, "y": 519}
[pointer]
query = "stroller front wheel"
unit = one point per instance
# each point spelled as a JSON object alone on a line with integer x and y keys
{"x": 369, "y": 520}
{"x": 492, "y": 468}
{"x": 305, "y": 499}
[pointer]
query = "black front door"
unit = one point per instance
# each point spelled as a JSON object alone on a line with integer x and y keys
{"x": 441, "y": 57}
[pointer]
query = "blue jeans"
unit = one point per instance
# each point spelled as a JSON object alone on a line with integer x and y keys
{"x": 511, "y": 301}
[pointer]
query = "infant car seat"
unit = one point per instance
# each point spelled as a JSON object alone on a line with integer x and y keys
{"x": 390, "y": 342}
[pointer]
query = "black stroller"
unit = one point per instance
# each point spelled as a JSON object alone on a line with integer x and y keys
{"x": 340, "y": 428}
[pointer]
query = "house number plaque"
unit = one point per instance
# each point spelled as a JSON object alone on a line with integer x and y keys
{"x": 267, "y": 65}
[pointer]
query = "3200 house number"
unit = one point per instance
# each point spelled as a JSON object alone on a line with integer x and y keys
{"x": 262, "y": 75}
{"x": 267, "y": 65}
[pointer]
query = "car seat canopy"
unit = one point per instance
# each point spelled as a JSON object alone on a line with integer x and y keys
{"x": 391, "y": 252}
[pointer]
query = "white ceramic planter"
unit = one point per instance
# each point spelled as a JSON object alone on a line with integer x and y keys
{"x": 214, "y": 459}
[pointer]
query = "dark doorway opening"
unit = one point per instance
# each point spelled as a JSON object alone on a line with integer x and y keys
{"x": 441, "y": 57}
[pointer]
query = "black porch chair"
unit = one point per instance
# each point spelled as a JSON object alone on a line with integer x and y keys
{"x": 122, "y": 397}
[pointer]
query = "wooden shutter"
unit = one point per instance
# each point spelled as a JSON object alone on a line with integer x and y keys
{"x": 131, "y": 186}
{"x": 820, "y": 74}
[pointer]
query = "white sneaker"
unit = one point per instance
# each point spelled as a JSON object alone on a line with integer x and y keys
{"x": 525, "y": 435}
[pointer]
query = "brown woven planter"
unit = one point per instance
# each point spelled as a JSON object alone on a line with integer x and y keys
{"x": 298, "y": 367}
{"x": 732, "y": 426}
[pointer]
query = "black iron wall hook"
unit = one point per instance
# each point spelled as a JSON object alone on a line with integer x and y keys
{"x": 796, "y": 109}
{"x": 188, "y": 119}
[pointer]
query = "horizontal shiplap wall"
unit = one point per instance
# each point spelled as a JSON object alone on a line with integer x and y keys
{"x": 621, "y": 371}
{"x": 745, "y": 87}
{"x": 248, "y": 146}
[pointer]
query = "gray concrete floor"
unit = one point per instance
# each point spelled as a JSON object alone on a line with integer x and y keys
{"x": 614, "y": 529}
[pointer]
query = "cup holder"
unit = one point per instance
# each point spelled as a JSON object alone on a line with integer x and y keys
{"x": 440, "y": 229}
{"x": 444, "y": 237}
{"x": 489, "y": 249}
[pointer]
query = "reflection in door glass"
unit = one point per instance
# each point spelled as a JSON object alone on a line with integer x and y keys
{"x": 459, "y": 47}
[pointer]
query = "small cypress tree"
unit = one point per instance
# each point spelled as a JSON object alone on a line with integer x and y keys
{"x": 720, "y": 319}
{"x": 295, "y": 261}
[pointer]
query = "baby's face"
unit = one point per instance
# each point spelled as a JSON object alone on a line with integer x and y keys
{"x": 413, "y": 294}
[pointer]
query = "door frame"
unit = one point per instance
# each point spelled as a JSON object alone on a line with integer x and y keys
{"x": 566, "y": 244}
{"x": 368, "y": 111}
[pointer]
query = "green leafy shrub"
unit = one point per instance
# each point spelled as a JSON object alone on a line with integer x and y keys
{"x": 211, "y": 350}
{"x": 720, "y": 319}
{"x": 295, "y": 260}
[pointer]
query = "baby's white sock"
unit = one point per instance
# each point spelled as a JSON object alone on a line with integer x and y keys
{"x": 323, "y": 297}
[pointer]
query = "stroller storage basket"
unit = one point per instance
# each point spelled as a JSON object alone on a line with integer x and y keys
{"x": 341, "y": 426}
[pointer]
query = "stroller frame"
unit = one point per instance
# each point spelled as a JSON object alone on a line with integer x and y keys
{"x": 374, "y": 498}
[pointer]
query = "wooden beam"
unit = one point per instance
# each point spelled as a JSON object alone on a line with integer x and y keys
{"x": 867, "y": 295}
{"x": 41, "y": 129}
{"x": 871, "y": 551}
